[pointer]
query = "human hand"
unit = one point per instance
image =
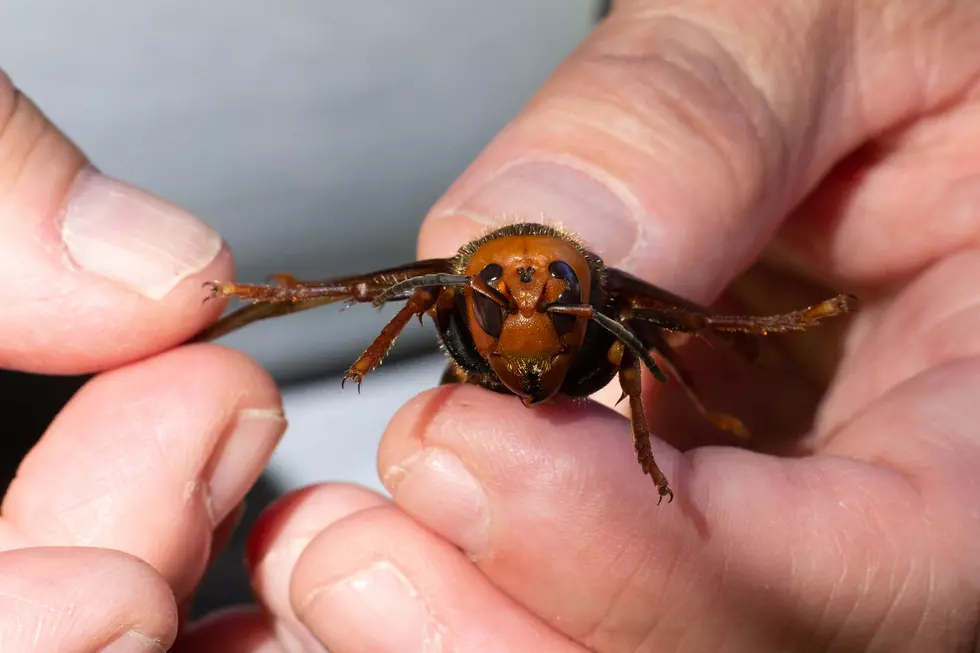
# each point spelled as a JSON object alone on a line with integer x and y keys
{"x": 675, "y": 141}
{"x": 114, "y": 515}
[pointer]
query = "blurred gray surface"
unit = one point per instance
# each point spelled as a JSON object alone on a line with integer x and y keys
{"x": 334, "y": 433}
{"x": 313, "y": 134}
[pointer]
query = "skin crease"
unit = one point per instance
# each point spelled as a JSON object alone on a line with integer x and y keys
{"x": 843, "y": 133}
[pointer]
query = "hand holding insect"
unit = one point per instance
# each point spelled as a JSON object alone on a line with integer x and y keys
{"x": 678, "y": 143}
{"x": 675, "y": 142}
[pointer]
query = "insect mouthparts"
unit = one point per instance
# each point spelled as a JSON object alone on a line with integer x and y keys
{"x": 531, "y": 383}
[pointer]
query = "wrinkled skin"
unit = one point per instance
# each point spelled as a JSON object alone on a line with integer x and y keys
{"x": 680, "y": 140}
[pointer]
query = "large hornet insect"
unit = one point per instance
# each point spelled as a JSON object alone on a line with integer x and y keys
{"x": 527, "y": 310}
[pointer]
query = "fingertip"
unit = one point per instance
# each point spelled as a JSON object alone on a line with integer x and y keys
{"x": 216, "y": 368}
{"x": 311, "y": 574}
{"x": 296, "y": 518}
{"x": 343, "y": 587}
{"x": 112, "y": 595}
{"x": 145, "y": 586}
{"x": 182, "y": 312}
{"x": 132, "y": 238}
{"x": 561, "y": 484}
{"x": 151, "y": 457}
{"x": 496, "y": 434}
{"x": 442, "y": 236}
{"x": 283, "y": 532}
{"x": 406, "y": 433}
{"x": 108, "y": 273}
{"x": 379, "y": 568}
{"x": 71, "y": 338}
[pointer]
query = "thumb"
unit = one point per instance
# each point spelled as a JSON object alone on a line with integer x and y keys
{"x": 674, "y": 139}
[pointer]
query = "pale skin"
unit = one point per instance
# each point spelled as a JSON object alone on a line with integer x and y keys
{"x": 718, "y": 130}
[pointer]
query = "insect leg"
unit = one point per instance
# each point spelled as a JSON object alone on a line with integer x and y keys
{"x": 629, "y": 378}
{"x": 291, "y": 295}
{"x": 691, "y": 322}
{"x": 255, "y": 312}
{"x": 794, "y": 321}
{"x": 418, "y": 304}
{"x": 618, "y": 329}
{"x": 670, "y": 360}
{"x": 286, "y": 289}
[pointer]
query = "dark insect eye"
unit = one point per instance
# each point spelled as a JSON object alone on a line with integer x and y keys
{"x": 571, "y": 296}
{"x": 492, "y": 273}
{"x": 489, "y": 314}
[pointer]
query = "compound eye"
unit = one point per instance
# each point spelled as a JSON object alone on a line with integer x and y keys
{"x": 489, "y": 314}
{"x": 571, "y": 296}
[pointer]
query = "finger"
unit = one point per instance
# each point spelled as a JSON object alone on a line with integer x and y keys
{"x": 875, "y": 222}
{"x": 96, "y": 273}
{"x": 923, "y": 431}
{"x": 232, "y": 630}
{"x": 678, "y": 135}
{"x": 357, "y": 592}
{"x": 220, "y": 538}
{"x": 83, "y": 600}
{"x": 150, "y": 459}
{"x": 556, "y": 512}
{"x": 931, "y": 324}
{"x": 278, "y": 540}
{"x": 559, "y": 522}
{"x": 933, "y": 320}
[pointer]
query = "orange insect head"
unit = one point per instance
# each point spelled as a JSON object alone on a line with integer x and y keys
{"x": 529, "y": 349}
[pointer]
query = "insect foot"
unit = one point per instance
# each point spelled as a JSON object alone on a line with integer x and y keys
{"x": 216, "y": 289}
{"x": 355, "y": 375}
{"x": 838, "y": 305}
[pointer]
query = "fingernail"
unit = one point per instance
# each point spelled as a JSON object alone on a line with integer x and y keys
{"x": 437, "y": 488}
{"x": 133, "y": 642}
{"x": 247, "y": 448}
{"x": 376, "y": 609}
{"x": 589, "y": 202}
{"x": 133, "y": 238}
{"x": 270, "y": 579}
